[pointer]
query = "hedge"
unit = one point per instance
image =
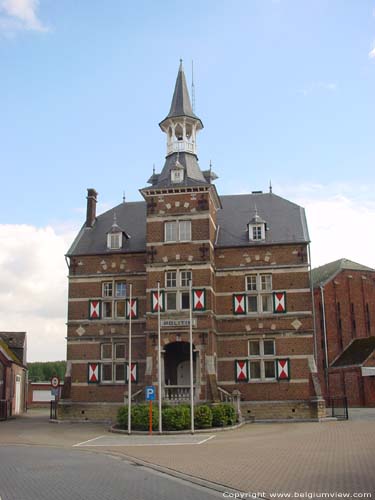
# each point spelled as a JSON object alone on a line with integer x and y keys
{"x": 177, "y": 418}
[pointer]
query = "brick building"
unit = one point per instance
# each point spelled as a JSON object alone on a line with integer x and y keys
{"x": 344, "y": 296}
{"x": 13, "y": 373}
{"x": 247, "y": 258}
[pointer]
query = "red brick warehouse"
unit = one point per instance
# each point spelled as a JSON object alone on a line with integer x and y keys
{"x": 247, "y": 256}
{"x": 344, "y": 295}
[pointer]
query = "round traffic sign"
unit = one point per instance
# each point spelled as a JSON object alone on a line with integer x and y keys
{"x": 55, "y": 382}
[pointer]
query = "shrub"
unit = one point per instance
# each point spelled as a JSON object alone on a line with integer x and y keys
{"x": 176, "y": 418}
{"x": 230, "y": 413}
{"x": 203, "y": 417}
{"x": 140, "y": 417}
{"x": 122, "y": 416}
{"x": 219, "y": 415}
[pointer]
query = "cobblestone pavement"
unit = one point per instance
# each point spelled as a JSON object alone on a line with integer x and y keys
{"x": 334, "y": 457}
{"x": 34, "y": 473}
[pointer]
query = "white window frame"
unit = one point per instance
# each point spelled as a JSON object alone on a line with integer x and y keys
{"x": 113, "y": 361}
{"x": 114, "y": 241}
{"x": 170, "y": 231}
{"x": 187, "y": 235}
{"x": 177, "y": 175}
{"x": 254, "y": 232}
{"x": 107, "y": 289}
{"x": 179, "y": 289}
{"x": 123, "y": 284}
{"x": 173, "y": 232}
{"x": 263, "y": 289}
{"x": 110, "y": 294}
{"x": 262, "y": 358}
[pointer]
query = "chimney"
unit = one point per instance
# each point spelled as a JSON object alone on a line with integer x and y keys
{"x": 91, "y": 207}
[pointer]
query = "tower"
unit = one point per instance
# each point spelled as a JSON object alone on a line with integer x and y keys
{"x": 180, "y": 230}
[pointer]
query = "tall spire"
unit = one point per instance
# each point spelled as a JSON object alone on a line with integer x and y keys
{"x": 181, "y": 105}
{"x": 181, "y": 126}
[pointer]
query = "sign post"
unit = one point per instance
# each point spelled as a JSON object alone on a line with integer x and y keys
{"x": 150, "y": 397}
{"x": 55, "y": 384}
{"x": 130, "y": 361}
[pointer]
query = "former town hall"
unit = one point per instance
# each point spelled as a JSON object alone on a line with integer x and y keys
{"x": 247, "y": 257}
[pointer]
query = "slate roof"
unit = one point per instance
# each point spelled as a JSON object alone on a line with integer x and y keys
{"x": 323, "y": 274}
{"x": 16, "y": 342}
{"x": 356, "y": 353}
{"x": 193, "y": 175}
{"x": 181, "y": 105}
{"x": 286, "y": 223}
{"x": 131, "y": 217}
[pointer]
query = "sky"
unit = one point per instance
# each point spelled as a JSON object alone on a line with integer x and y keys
{"x": 285, "y": 89}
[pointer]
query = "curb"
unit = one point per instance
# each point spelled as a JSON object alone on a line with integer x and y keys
{"x": 116, "y": 430}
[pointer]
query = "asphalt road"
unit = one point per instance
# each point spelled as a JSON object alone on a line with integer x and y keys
{"x": 42, "y": 473}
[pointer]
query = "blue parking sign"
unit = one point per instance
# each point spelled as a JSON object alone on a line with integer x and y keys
{"x": 150, "y": 392}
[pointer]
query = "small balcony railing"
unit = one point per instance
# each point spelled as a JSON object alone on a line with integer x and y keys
{"x": 174, "y": 147}
{"x": 177, "y": 393}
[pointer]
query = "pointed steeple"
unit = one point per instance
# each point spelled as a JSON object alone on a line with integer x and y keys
{"x": 181, "y": 127}
{"x": 181, "y": 105}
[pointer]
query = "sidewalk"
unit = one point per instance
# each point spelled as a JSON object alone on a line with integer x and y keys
{"x": 294, "y": 457}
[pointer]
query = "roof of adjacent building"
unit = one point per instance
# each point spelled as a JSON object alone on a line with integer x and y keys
{"x": 356, "y": 353}
{"x": 15, "y": 342}
{"x": 323, "y": 274}
{"x": 286, "y": 223}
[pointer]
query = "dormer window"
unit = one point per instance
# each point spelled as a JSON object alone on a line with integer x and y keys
{"x": 258, "y": 232}
{"x": 115, "y": 236}
{"x": 177, "y": 173}
{"x": 114, "y": 241}
{"x": 257, "y": 228}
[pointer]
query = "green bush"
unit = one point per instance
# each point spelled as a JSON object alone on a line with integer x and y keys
{"x": 219, "y": 415}
{"x": 230, "y": 413}
{"x": 203, "y": 417}
{"x": 122, "y": 417}
{"x": 140, "y": 417}
{"x": 176, "y": 418}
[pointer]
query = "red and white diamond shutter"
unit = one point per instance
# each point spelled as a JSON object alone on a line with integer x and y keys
{"x": 93, "y": 373}
{"x": 134, "y": 372}
{"x": 279, "y": 302}
{"x": 95, "y": 309}
{"x": 241, "y": 367}
{"x": 199, "y": 299}
{"x": 157, "y": 303}
{"x": 283, "y": 369}
{"x": 132, "y": 309}
{"x": 239, "y": 303}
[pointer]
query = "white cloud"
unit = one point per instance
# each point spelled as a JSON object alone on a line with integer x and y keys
{"x": 33, "y": 287}
{"x": 372, "y": 52}
{"x": 316, "y": 86}
{"x": 20, "y": 15}
{"x": 340, "y": 220}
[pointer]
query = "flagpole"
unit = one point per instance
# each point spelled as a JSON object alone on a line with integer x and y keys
{"x": 159, "y": 361}
{"x": 191, "y": 357}
{"x": 130, "y": 360}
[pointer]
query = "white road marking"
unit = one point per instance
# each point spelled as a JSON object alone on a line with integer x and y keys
{"x": 128, "y": 441}
{"x": 89, "y": 440}
{"x": 207, "y": 439}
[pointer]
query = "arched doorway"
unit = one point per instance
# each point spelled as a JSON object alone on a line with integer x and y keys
{"x": 177, "y": 371}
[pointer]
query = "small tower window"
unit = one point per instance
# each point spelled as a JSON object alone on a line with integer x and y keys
{"x": 177, "y": 172}
{"x": 179, "y": 132}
